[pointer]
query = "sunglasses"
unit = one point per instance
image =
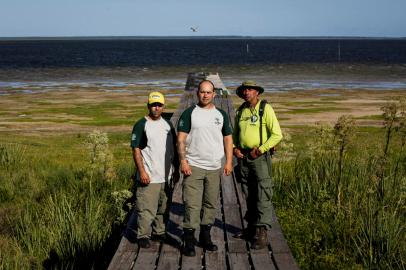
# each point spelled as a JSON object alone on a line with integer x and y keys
{"x": 156, "y": 104}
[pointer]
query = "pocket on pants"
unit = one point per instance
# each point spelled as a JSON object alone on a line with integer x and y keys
{"x": 265, "y": 192}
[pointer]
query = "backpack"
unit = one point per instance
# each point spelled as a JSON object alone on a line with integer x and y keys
{"x": 260, "y": 114}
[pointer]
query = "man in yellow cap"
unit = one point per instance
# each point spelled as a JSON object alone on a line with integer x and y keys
{"x": 256, "y": 132}
{"x": 154, "y": 151}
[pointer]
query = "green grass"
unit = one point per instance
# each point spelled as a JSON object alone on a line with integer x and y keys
{"x": 356, "y": 223}
{"x": 315, "y": 110}
{"x": 60, "y": 210}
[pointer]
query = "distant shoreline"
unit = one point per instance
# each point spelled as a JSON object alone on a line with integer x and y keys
{"x": 197, "y": 37}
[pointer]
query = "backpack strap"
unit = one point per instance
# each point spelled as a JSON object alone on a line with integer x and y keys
{"x": 261, "y": 113}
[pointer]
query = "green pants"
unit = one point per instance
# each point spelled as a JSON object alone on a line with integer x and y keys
{"x": 256, "y": 183}
{"x": 200, "y": 195}
{"x": 152, "y": 208}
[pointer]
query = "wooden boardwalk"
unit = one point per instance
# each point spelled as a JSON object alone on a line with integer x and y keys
{"x": 233, "y": 254}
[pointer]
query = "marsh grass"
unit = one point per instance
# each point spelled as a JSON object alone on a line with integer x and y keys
{"x": 61, "y": 211}
{"x": 342, "y": 201}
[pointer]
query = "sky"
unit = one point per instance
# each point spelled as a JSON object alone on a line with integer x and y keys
{"x": 48, "y": 18}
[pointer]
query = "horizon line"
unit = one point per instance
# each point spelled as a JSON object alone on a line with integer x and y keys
{"x": 195, "y": 37}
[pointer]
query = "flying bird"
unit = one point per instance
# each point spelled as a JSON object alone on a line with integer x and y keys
{"x": 194, "y": 29}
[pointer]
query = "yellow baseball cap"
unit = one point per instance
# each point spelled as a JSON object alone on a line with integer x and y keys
{"x": 156, "y": 97}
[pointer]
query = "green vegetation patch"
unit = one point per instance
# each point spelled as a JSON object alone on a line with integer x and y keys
{"x": 315, "y": 110}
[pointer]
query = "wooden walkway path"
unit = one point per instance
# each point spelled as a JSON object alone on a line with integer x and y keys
{"x": 233, "y": 254}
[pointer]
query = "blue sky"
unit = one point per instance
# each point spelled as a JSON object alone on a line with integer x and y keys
{"x": 376, "y": 18}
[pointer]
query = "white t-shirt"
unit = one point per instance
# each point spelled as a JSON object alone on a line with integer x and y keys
{"x": 206, "y": 129}
{"x": 156, "y": 139}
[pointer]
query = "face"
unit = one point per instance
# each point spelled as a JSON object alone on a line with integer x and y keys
{"x": 205, "y": 94}
{"x": 155, "y": 110}
{"x": 250, "y": 95}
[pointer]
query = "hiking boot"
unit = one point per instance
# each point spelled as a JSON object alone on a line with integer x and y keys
{"x": 144, "y": 242}
{"x": 261, "y": 238}
{"x": 205, "y": 238}
{"x": 247, "y": 233}
{"x": 189, "y": 242}
{"x": 158, "y": 237}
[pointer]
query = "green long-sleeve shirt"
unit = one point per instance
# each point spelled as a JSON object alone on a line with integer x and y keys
{"x": 246, "y": 131}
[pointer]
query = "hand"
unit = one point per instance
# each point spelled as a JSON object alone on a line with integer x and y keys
{"x": 255, "y": 153}
{"x": 237, "y": 153}
{"x": 228, "y": 168}
{"x": 144, "y": 178}
{"x": 185, "y": 168}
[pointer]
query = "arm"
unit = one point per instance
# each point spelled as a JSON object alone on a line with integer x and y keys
{"x": 144, "y": 177}
{"x": 175, "y": 176}
{"x": 272, "y": 125}
{"x": 228, "y": 149}
{"x": 181, "y": 145}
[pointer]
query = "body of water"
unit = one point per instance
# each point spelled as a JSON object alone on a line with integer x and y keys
{"x": 30, "y": 66}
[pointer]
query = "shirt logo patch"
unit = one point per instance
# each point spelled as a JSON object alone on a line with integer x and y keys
{"x": 133, "y": 137}
{"x": 217, "y": 121}
{"x": 181, "y": 123}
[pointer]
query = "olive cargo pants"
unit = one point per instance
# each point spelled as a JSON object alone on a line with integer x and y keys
{"x": 152, "y": 207}
{"x": 200, "y": 195}
{"x": 256, "y": 183}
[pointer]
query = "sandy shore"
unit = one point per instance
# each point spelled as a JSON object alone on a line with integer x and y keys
{"x": 83, "y": 110}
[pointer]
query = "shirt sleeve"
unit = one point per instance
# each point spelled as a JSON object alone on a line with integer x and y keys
{"x": 185, "y": 120}
{"x": 138, "y": 136}
{"x": 226, "y": 130}
{"x": 274, "y": 129}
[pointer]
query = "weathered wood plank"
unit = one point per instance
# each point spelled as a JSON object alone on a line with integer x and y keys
{"x": 170, "y": 252}
{"x": 262, "y": 260}
{"x": 126, "y": 251}
{"x": 193, "y": 263}
{"x": 147, "y": 258}
{"x": 217, "y": 260}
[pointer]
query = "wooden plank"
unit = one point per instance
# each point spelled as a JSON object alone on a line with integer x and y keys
{"x": 127, "y": 260}
{"x": 262, "y": 260}
{"x": 125, "y": 251}
{"x": 147, "y": 257}
{"x": 238, "y": 261}
{"x": 228, "y": 191}
{"x": 193, "y": 263}
{"x": 216, "y": 260}
{"x": 170, "y": 252}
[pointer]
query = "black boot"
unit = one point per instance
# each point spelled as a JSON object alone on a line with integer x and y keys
{"x": 205, "y": 238}
{"x": 189, "y": 242}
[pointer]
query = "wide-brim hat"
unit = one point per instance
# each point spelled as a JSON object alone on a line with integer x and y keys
{"x": 248, "y": 85}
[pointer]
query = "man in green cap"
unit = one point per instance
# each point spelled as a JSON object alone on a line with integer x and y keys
{"x": 255, "y": 134}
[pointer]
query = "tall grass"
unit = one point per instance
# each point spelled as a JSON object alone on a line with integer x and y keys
{"x": 341, "y": 202}
{"x": 61, "y": 216}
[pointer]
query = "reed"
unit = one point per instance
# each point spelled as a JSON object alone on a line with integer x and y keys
{"x": 59, "y": 215}
{"x": 341, "y": 202}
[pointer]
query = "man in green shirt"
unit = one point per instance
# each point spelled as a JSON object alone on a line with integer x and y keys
{"x": 256, "y": 132}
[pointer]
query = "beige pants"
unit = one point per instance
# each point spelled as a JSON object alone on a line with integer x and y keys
{"x": 152, "y": 208}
